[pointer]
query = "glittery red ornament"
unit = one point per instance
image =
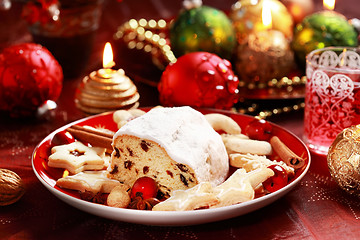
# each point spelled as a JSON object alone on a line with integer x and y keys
{"x": 29, "y": 75}
{"x": 199, "y": 79}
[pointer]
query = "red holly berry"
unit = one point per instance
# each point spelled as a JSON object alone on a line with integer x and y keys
{"x": 145, "y": 186}
{"x": 259, "y": 129}
{"x": 278, "y": 181}
{"x": 63, "y": 137}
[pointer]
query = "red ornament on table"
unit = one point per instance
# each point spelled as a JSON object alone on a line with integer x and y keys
{"x": 199, "y": 79}
{"x": 29, "y": 76}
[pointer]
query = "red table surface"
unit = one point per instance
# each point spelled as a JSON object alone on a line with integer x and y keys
{"x": 315, "y": 209}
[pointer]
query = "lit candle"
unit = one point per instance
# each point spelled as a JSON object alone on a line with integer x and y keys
{"x": 106, "y": 89}
{"x": 108, "y": 56}
{"x": 266, "y": 16}
{"x": 329, "y": 4}
{"x": 106, "y": 72}
{"x": 247, "y": 17}
{"x": 266, "y": 54}
{"x": 328, "y": 9}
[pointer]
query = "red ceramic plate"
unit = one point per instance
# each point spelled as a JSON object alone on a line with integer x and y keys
{"x": 48, "y": 177}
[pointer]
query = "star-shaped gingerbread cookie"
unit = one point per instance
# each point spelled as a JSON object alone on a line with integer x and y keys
{"x": 239, "y": 187}
{"x": 76, "y": 157}
{"x": 94, "y": 181}
{"x": 200, "y": 196}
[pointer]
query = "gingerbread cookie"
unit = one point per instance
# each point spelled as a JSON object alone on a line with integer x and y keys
{"x": 200, "y": 196}
{"x": 121, "y": 117}
{"x": 94, "y": 181}
{"x": 251, "y": 162}
{"x": 239, "y": 187}
{"x": 76, "y": 157}
{"x": 240, "y": 143}
{"x": 221, "y": 122}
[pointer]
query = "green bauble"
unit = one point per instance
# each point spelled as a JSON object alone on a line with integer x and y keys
{"x": 202, "y": 29}
{"x": 319, "y": 30}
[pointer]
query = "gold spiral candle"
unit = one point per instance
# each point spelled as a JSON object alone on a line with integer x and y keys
{"x": 105, "y": 90}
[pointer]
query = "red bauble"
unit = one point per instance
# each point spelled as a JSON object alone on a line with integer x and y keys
{"x": 199, "y": 79}
{"x": 29, "y": 75}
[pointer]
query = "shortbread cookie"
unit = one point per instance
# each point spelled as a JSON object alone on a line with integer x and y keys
{"x": 252, "y": 162}
{"x": 76, "y": 157}
{"x": 94, "y": 181}
{"x": 225, "y": 136}
{"x": 240, "y": 144}
{"x": 200, "y": 196}
{"x": 221, "y": 122}
{"x": 121, "y": 117}
{"x": 239, "y": 187}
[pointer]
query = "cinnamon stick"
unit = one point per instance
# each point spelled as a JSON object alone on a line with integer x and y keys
{"x": 286, "y": 154}
{"x": 94, "y": 137}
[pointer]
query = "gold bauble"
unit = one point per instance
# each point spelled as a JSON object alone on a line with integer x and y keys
{"x": 246, "y": 16}
{"x": 344, "y": 160}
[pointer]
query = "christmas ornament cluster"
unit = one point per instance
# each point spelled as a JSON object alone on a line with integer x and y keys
{"x": 258, "y": 54}
{"x": 212, "y": 52}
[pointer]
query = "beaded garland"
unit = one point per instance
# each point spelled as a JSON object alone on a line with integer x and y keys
{"x": 149, "y": 36}
{"x": 263, "y": 114}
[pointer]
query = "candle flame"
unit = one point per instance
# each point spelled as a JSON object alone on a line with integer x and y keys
{"x": 266, "y": 15}
{"x": 342, "y": 61}
{"x": 108, "y": 56}
{"x": 65, "y": 173}
{"x": 296, "y": 10}
{"x": 329, "y": 4}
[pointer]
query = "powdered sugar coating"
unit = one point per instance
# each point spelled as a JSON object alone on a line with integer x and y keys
{"x": 187, "y": 137}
